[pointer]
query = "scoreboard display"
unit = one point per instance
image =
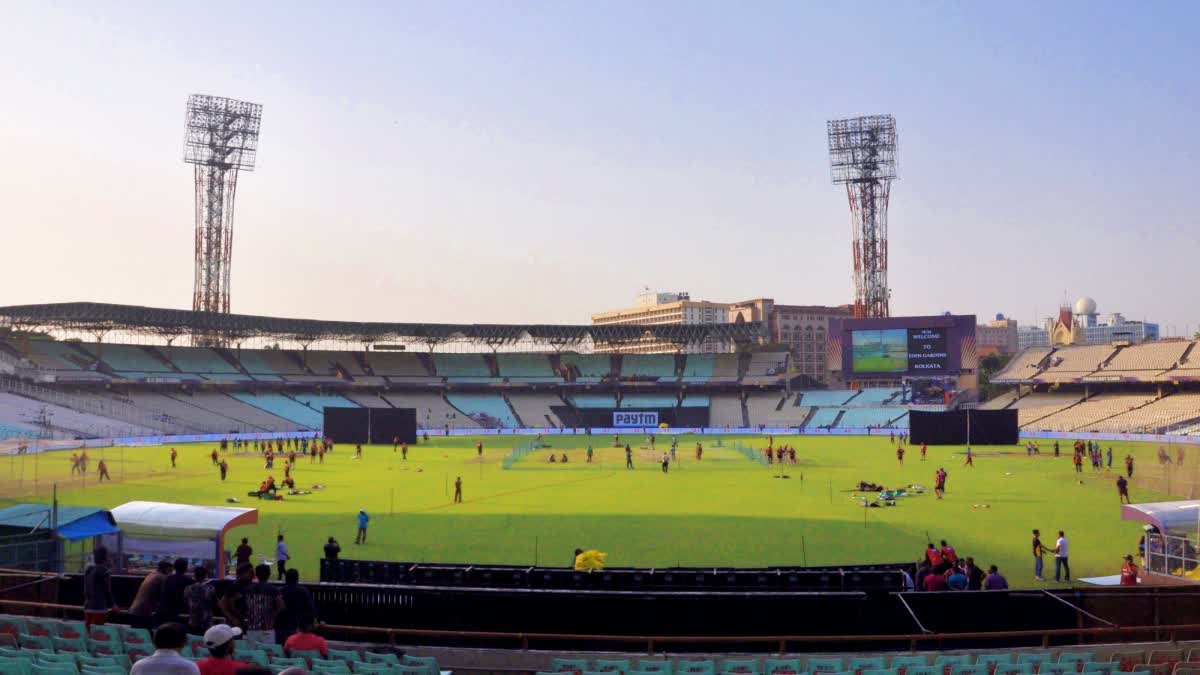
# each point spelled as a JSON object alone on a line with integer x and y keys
{"x": 908, "y": 346}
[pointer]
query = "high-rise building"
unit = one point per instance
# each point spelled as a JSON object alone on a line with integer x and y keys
{"x": 803, "y": 328}
{"x": 999, "y": 336}
{"x": 655, "y": 308}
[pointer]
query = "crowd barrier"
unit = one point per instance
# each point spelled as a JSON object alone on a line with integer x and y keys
{"x": 879, "y": 577}
{"x": 693, "y": 620}
{"x": 44, "y": 445}
{"x": 47, "y": 445}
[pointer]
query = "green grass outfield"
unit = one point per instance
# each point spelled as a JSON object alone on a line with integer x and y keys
{"x": 723, "y": 511}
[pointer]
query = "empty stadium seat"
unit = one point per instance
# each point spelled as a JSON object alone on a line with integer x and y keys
{"x": 491, "y": 406}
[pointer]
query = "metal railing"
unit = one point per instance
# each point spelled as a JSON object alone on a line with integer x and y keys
{"x": 1172, "y": 555}
{"x": 652, "y": 643}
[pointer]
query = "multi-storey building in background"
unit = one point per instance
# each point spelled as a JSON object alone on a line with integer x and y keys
{"x": 998, "y": 336}
{"x": 803, "y": 328}
{"x": 1083, "y": 326}
{"x": 654, "y": 308}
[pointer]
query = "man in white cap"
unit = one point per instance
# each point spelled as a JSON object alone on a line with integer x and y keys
{"x": 220, "y": 641}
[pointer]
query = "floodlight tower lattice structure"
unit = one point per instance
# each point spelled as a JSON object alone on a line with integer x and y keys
{"x": 862, "y": 156}
{"x": 221, "y": 140}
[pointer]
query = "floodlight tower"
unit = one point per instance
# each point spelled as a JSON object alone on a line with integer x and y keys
{"x": 221, "y": 139}
{"x": 862, "y": 156}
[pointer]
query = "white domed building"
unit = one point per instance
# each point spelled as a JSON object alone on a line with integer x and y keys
{"x": 1080, "y": 324}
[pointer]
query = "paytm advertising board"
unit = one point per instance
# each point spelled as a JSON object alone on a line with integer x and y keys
{"x": 912, "y": 346}
{"x": 635, "y": 419}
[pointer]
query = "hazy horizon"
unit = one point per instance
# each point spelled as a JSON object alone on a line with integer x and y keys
{"x": 540, "y": 162}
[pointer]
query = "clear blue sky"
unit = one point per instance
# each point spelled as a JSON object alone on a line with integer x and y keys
{"x": 512, "y": 161}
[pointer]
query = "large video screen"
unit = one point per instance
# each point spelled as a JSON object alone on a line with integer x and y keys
{"x": 925, "y": 347}
{"x": 879, "y": 351}
{"x": 899, "y": 350}
{"x": 927, "y": 350}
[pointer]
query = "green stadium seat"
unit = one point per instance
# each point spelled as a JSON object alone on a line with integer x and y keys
{"x": 968, "y": 670}
{"x": 77, "y": 644}
{"x": 52, "y": 658}
{"x": 654, "y": 666}
{"x": 948, "y": 661}
{"x": 569, "y": 665}
{"x": 307, "y": 654}
{"x": 1168, "y": 656}
{"x": 137, "y": 636}
{"x": 861, "y": 663}
{"x": 429, "y": 663}
{"x": 365, "y": 667}
{"x": 273, "y": 650}
{"x": 71, "y": 629}
{"x": 993, "y": 660}
{"x": 288, "y": 661}
{"x": 104, "y": 670}
{"x": 86, "y": 661}
{"x": 1102, "y": 668}
{"x": 1036, "y": 659}
{"x": 347, "y": 655}
{"x": 1057, "y": 668}
{"x": 329, "y": 666}
{"x": 256, "y": 656}
{"x": 138, "y": 651}
{"x": 747, "y": 666}
{"x": 880, "y": 671}
{"x": 782, "y": 667}
{"x": 1013, "y": 669}
{"x": 1130, "y": 660}
{"x": 1079, "y": 658}
{"x": 13, "y": 625}
{"x": 386, "y": 658}
{"x": 54, "y": 669}
{"x": 28, "y": 641}
{"x": 611, "y": 666}
{"x": 409, "y": 670}
{"x": 14, "y": 653}
{"x": 825, "y": 664}
{"x": 40, "y": 627}
{"x": 902, "y": 663}
{"x": 104, "y": 647}
{"x": 696, "y": 667}
{"x": 16, "y": 666}
{"x": 106, "y": 633}
{"x": 925, "y": 670}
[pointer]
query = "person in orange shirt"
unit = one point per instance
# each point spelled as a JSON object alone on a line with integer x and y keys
{"x": 306, "y": 640}
{"x": 1129, "y": 572}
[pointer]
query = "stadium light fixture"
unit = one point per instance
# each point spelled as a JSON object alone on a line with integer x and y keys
{"x": 221, "y": 140}
{"x": 862, "y": 156}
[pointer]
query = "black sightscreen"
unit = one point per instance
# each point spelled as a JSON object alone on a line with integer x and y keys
{"x": 347, "y": 425}
{"x": 987, "y": 427}
{"x": 371, "y": 425}
{"x": 389, "y": 423}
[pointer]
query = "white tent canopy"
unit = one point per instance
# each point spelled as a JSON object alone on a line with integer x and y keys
{"x": 151, "y": 527}
{"x": 1180, "y": 518}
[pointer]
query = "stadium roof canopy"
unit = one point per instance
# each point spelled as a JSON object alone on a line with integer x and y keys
{"x": 101, "y": 318}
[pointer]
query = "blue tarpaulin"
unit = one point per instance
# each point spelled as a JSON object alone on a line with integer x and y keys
{"x": 74, "y": 522}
